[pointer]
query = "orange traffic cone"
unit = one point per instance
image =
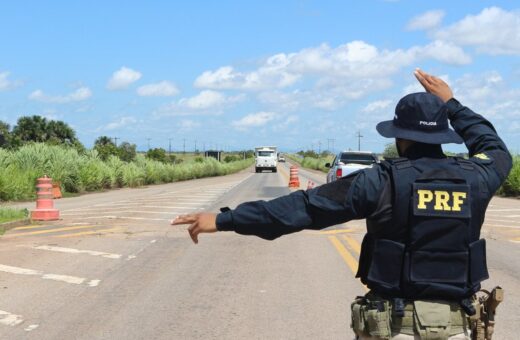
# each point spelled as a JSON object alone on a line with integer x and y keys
{"x": 294, "y": 181}
{"x": 56, "y": 190}
{"x": 44, "y": 204}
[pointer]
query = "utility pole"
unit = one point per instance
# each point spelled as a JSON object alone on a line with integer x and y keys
{"x": 319, "y": 148}
{"x": 169, "y": 146}
{"x": 184, "y": 145}
{"x": 359, "y": 140}
{"x": 195, "y": 146}
{"x": 115, "y": 140}
{"x": 148, "y": 139}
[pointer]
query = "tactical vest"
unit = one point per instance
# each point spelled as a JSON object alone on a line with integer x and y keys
{"x": 431, "y": 247}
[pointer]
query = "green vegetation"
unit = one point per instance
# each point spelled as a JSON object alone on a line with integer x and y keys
{"x": 312, "y": 162}
{"x": 511, "y": 186}
{"x": 10, "y": 215}
{"x": 86, "y": 171}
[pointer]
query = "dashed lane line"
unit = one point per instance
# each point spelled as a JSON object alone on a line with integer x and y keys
{"x": 47, "y": 231}
{"x": 92, "y": 232}
{"x": 9, "y": 319}
{"x": 55, "y": 277}
{"x": 76, "y": 251}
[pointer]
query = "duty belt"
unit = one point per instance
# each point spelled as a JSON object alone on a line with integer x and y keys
{"x": 383, "y": 318}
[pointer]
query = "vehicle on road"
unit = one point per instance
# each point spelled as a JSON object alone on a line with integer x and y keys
{"x": 347, "y": 162}
{"x": 265, "y": 158}
{"x": 281, "y": 158}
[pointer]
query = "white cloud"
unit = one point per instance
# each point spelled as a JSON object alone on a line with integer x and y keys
{"x": 123, "y": 78}
{"x": 377, "y": 105}
{"x": 188, "y": 124}
{"x": 204, "y": 100}
{"x": 120, "y": 123}
{"x": 6, "y": 84}
{"x": 204, "y": 103}
{"x": 343, "y": 64}
{"x": 80, "y": 94}
{"x": 492, "y": 31}
{"x": 254, "y": 120}
{"x": 161, "y": 89}
{"x": 426, "y": 21}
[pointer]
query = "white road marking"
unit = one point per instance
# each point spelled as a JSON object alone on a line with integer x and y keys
{"x": 502, "y": 226}
{"x": 9, "y": 319}
{"x": 56, "y": 277}
{"x": 77, "y": 251}
{"x": 93, "y": 283}
{"x": 503, "y": 209}
{"x": 153, "y": 241}
{"x": 31, "y": 328}
{"x": 112, "y": 217}
{"x": 134, "y": 211}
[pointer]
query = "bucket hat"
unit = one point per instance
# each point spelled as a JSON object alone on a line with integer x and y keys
{"x": 420, "y": 117}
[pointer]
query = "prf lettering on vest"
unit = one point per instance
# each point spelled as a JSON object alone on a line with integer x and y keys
{"x": 442, "y": 200}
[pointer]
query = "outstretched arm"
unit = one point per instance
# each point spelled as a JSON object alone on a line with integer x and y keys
{"x": 352, "y": 197}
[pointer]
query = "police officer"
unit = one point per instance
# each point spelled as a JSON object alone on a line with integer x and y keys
{"x": 422, "y": 256}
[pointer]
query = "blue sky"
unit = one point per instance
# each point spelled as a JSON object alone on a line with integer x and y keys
{"x": 235, "y": 74}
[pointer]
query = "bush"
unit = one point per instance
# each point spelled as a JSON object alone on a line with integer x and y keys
{"x": 78, "y": 172}
{"x": 511, "y": 186}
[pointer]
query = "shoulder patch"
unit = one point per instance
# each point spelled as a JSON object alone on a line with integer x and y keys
{"x": 482, "y": 156}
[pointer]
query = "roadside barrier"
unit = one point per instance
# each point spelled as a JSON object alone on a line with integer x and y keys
{"x": 294, "y": 181}
{"x": 44, "y": 202}
{"x": 310, "y": 185}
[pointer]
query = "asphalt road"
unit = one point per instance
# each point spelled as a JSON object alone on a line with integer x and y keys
{"x": 113, "y": 268}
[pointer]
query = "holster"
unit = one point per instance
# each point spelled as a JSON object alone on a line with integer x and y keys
{"x": 483, "y": 322}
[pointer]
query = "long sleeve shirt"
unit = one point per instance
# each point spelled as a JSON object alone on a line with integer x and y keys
{"x": 357, "y": 196}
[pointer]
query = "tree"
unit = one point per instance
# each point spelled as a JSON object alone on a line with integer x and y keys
{"x": 157, "y": 154}
{"x": 38, "y": 129}
{"x": 31, "y": 129}
{"x": 5, "y": 134}
{"x": 104, "y": 140}
{"x": 105, "y": 147}
{"x": 390, "y": 151}
{"x": 127, "y": 151}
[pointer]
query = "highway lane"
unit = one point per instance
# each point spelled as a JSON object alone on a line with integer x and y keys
{"x": 114, "y": 268}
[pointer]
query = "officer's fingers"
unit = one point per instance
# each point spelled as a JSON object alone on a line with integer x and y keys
{"x": 194, "y": 231}
{"x": 421, "y": 78}
{"x": 184, "y": 219}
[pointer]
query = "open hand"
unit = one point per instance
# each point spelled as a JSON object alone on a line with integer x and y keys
{"x": 434, "y": 85}
{"x": 199, "y": 223}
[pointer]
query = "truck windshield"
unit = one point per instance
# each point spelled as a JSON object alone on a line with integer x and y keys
{"x": 265, "y": 153}
{"x": 357, "y": 159}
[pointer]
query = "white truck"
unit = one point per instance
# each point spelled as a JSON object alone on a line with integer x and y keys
{"x": 347, "y": 162}
{"x": 265, "y": 158}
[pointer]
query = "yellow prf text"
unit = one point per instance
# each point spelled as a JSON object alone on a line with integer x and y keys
{"x": 441, "y": 200}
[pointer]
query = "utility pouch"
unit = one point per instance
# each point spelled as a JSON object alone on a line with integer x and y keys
{"x": 432, "y": 319}
{"x": 357, "y": 318}
{"x": 378, "y": 320}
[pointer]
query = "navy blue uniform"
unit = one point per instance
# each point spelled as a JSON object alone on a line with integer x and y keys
{"x": 367, "y": 193}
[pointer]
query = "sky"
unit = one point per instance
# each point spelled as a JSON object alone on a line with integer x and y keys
{"x": 239, "y": 74}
